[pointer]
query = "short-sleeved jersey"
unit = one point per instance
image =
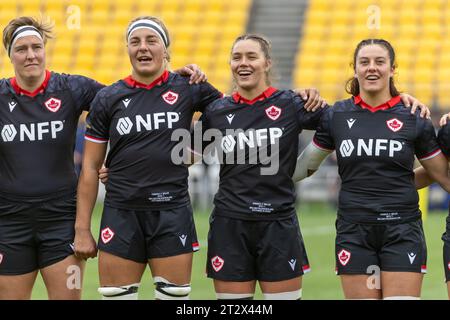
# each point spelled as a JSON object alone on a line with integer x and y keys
{"x": 138, "y": 121}
{"x": 444, "y": 143}
{"x": 258, "y": 146}
{"x": 375, "y": 150}
{"x": 38, "y": 136}
{"x": 444, "y": 139}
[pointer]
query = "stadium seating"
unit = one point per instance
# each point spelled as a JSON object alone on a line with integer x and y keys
{"x": 90, "y": 34}
{"x": 418, "y": 30}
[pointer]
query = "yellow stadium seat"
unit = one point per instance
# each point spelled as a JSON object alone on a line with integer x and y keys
{"x": 123, "y": 16}
{"x": 111, "y": 46}
{"x": 415, "y": 29}
{"x": 6, "y": 16}
{"x": 99, "y": 17}
{"x": 8, "y": 6}
{"x": 51, "y": 5}
{"x": 216, "y": 5}
{"x": 170, "y": 19}
{"x": 61, "y": 62}
{"x": 100, "y": 5}
{"x": 321, "y": 5}
{"x": 423, "y": 76}
{"x": 30, "y": 8}
{"x": 170, "y": 6}
{"x": 56, "y": 16}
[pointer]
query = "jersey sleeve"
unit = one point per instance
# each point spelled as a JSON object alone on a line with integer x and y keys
{"x": 426, "y": 145}
{"x": 323, "y": 138}
{"x": 84, "y": 90}
{"x": 444, "y": 139}
{"x": 204, "y": 94}
{"x": 98, "y": 120}
{"x": 307, "y": 120}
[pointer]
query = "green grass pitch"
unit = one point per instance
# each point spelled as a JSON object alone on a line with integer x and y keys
{"x": 317, "y": 225}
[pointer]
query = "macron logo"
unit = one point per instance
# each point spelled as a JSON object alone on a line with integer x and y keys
{"x": 292, "y": 263}
{"x": 126, "y": 102}
{"x": 411, "y": 257}
{"x": 350, "y": 122}
{"x": 230, "y": 118}
{"x": 183, "y": 239}
{"x": 12, "y": 105}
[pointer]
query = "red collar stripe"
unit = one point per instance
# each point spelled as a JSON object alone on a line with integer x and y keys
{"x": 266, "y": 94}
{"x": 40, "y": 89}
{"x": 136, "y": 84}
{"x": 387, "y": 105}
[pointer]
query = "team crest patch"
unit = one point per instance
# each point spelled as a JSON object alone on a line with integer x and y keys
{"x": 1, "y": 258}
{"x": 217, "y": 263}
{"x": 273, "y": 112}
{"x": 53, "y": 104}
{"x": 107, "y": 234}
{"x": 344, "y": 256}
{"x": 170, "y": 97}
{"x": 394, "y": 124}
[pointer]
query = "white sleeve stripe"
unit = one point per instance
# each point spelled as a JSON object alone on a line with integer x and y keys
{"x": 432, "y": 155}
{"x": 95, "y": 140}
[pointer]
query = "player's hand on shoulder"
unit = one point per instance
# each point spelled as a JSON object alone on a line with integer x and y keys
{"x": 444, "y": 119}
{"x": 410, "y": 101}
{"x": 312, "y": 97}
{"x": 84, "y": 244}
{"x": 193, "y": 71}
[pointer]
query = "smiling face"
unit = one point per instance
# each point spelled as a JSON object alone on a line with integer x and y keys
{"x": 28, "y": 58}
{"x": 147, "y": 53}
{"x": 249, "y": 66}
{"x": 373, "y": 69}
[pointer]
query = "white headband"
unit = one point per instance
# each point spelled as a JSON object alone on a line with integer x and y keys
{"x": 148, "y": 24}
{"x": 21, "y": 32}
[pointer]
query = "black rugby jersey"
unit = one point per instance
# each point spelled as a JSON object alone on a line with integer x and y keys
{"x": 444, "y": 143}
{"x": 444, "y": 139}
{"x": 138, "y": 121}
{"x": 268, "y": 125}
{"x": 375, "y": 150}
{"x": 38, "y": 136}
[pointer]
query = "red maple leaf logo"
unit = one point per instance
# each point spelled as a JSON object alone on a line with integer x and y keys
{"x": 170, "y": 97}
{"x": 273, "y": 112}
{"x": 217, "y": 263}
{"x": 53, "y": 104}
{"x": 394, "y": 124}
{"x": 344, "y": 257}
{"x": 107, "y": 235}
